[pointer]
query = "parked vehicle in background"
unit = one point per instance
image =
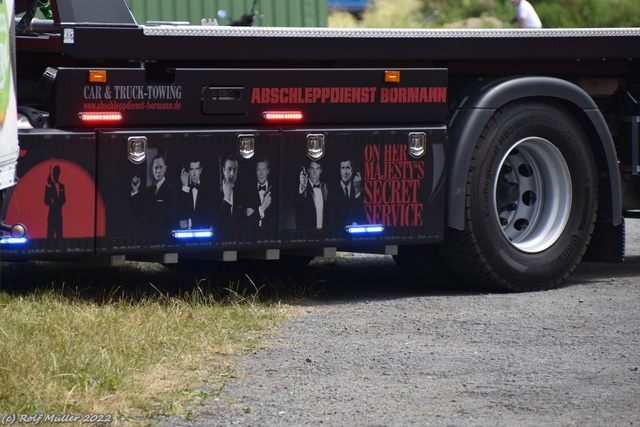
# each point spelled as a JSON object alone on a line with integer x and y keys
{"x": 353, "y": 6}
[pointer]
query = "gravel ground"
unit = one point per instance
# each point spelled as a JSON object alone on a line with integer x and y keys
{"x": 377, "y": 350}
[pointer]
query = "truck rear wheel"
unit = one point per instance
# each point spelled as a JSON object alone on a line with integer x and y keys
{"x": 531, "y": 201}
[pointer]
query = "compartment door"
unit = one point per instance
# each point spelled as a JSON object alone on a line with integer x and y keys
{"x": 187, "y": 182}
{"x": 362, "y": 177}
{"x": 55, "y": 197}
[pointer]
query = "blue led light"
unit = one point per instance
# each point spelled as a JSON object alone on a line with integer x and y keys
{"x": 192, "y": 234}
{"x": 364, "y": 229}
{"x": 13, "y": 241}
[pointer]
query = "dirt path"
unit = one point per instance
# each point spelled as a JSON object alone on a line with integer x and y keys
{"x": 378, "y": 350}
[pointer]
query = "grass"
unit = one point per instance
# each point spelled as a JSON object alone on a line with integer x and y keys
{"x": 131, "y": 350}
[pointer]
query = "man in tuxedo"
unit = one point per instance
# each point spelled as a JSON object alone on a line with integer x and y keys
{"x": 194, "y": 198}
{"x": 54, "y": 197}
{"x": 312, "y": 199}
{"x": 156, "y": 203}
{"x": 347, "y": 199}
{"x": 259, "y": 210}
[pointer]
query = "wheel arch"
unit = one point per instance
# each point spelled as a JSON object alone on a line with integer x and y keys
{"x": 475, "y": 108}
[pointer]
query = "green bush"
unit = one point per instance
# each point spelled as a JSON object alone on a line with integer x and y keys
{"x": 492, "y": 13}
{"x": 587, "y": 13}
{"x": 394, "y": 14}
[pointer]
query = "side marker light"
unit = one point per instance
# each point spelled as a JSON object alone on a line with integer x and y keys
{"x": 97, "y": 76}
{"x": 100, "y": 117}
{"x": 288, "y": 116}
{"x": 392, "y": 76}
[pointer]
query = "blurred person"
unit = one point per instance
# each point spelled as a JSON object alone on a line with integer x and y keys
{"x": 525, "y": 16}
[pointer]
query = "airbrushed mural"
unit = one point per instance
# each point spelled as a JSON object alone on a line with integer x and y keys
{"x": 199, "y": 181}
{"x": 55, "y": 197}
{"x": 365, "y": 177}
{"x": 189, "y": 181}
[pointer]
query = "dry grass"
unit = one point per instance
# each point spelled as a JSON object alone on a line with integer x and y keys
{"x": 133, "y": 357}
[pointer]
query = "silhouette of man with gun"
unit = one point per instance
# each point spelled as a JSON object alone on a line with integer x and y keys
{"x": 54, "y": 197}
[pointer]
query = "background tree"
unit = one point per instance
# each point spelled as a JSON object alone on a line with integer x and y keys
{"x": 490, "y": 14}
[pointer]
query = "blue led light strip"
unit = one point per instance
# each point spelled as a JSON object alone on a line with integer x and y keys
{"x": 13, "y": 241}
{"x": 192, "y": 234}
{"x": 365, "y": 229}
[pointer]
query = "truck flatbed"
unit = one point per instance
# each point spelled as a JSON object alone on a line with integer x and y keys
{"x": 179, "y": 42}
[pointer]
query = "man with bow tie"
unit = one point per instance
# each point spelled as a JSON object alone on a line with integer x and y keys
{"x": 194, "y": 198}
{"x": 260, "y": 213}
{"x": 312, "y": 199}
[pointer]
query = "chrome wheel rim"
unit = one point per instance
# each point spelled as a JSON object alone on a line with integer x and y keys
{"x": 532, "y": 195}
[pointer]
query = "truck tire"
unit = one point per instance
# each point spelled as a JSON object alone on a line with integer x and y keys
{"x": 531, "y": 201}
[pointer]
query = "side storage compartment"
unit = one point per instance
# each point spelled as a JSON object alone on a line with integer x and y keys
{"x": 55, "y": 197}
{"x": 194, "y": 191}
{"x": 337, "y": 182}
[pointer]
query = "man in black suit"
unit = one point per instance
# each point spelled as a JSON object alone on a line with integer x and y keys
{"x": 54, "y": 197}
{"x": 194, "y": 202}
{"x": 347, "y": 200}
{"x": 312, "y": 199}
{"x": 259, "y": 211}
{"x": 156, "y": 203}
{"x": 229, "y": 207}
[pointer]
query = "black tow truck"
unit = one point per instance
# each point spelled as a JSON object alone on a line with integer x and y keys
{"x": 501, "y": 156}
